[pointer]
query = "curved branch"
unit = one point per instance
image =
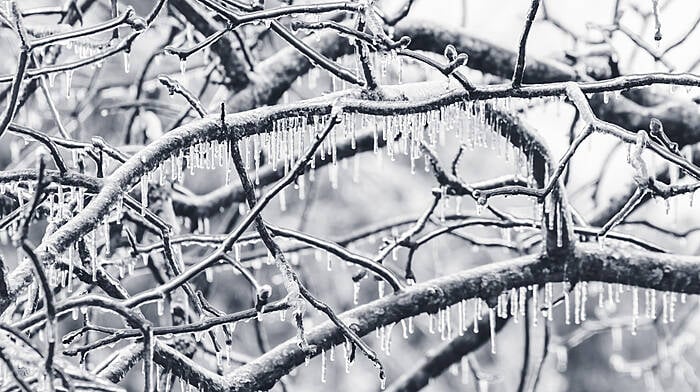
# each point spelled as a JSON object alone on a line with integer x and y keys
{"x": 587, "y": 263}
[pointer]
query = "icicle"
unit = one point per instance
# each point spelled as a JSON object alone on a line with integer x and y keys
{"x": 499, "y": 305}
{"x": 323, "y": 366}
{"x": 237, "y": 252}
{"x": 635, "y": 309}
{"x": 381, "y": 335}
{"x": 183, "y": 66}
{"x": 69, "y": 81}
{"x": 514, "y": 301}
{"x": 160, "y": 307}
{"x": 584, "y": 300}
{"x": 664, "y": 307}
{"x": 650, "y": 297}
{"x": 106, "y": 237}
{"x": 380, "y": 288}
{"x": 144, "y": 194}
{"x": 567, "y": 305}
{"x": 549, "y": 294}
{"x": 334, "y": 149}
{"x": 52, "y": 79}
{"x": 672, "y": 308}
{"x": 477, "y": 309}
{"x": 93, "y": 256}
{"x": 69, "y": 261}
{"x": 577, "y": 304}
{"x": 355, "y": 292}
{"x": 560, "y": 233}
{"x": 441, "y": 324}
{"x": 535, "y": 306}
{"x": 126, "y": 61}
{"x": 492, "y": 329}
{"x": 483, "y": 385}
{"x": 387, "y": 338}
{"x": 691, "y": 198}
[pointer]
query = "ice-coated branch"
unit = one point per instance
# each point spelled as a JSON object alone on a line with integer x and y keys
{"x": 317, "y": 58}
{"x": 224, "y": 48}
{"x": 340, "y": 251}
{"x": 520, "y": 62}
{"x": 127, "y": 17}
{"x": 47, "y": 291}
{"x": 174, "y": 87}
{"x": 623, "y": 213}
{"x": 587, "y": 263}
{"x": 18, "y": 78}
{"x": 444, "y": 356}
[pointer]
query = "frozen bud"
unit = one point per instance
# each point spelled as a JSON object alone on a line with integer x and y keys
{"x": 450, "y": 52}
{"x": 264, "y": 293}
{"x": 263, "y": 296}
{"x": 137, "y": 23}
{"x": 404, "y": 41}
{"x": 296, "y": 25}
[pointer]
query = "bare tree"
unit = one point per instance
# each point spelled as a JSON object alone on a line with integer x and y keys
{"x": 128, "y": 256}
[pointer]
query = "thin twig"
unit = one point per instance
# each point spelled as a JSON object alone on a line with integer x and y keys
{"x": 520, "y": 62}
